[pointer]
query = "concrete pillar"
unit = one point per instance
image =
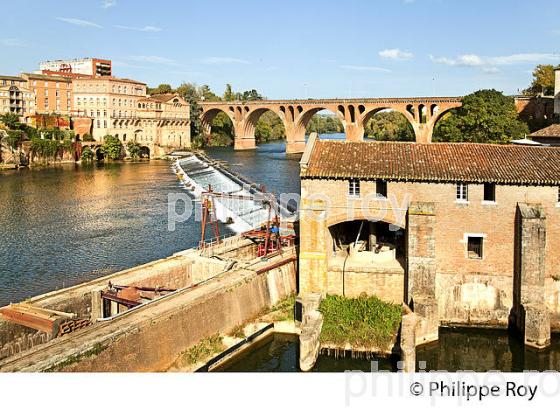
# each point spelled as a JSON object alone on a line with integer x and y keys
{"x": 530, "y": 312}
{"x": 420, "y": 293}
{"x": 408, "y": 342}
{"x": 96, "y": 306}
{"x": 313, "y": 245}
{"x": 372, "y": 235}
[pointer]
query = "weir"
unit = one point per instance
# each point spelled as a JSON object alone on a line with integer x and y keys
{"x": 198, "y": 172}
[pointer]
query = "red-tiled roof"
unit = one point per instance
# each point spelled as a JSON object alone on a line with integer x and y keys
{"x": 550, "y": 131}
{"x": 507, "y": 164}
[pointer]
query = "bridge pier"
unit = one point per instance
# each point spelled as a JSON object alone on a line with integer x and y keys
{"x": 424, "y": 132}
{"x": 295, "y": 147}
{"x": 242, "y": 143}
{"x": 354, "y": 132}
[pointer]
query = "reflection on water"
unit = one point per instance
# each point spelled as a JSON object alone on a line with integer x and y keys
{"x": 71, "y": 223}
{"x": 457, "y": 349}
{"x": 280, "y": 353}
{"x": 68, "y": 224}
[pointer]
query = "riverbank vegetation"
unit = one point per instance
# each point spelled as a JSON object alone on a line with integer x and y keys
{"x": 486, "y": 116}
{"x": 363, "y": 322}
{"x": 21, "y": 144}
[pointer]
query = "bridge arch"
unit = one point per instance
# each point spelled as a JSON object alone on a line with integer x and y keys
{"x": 370, "y": 114}
{"x": 254, "y": 116}
{"x": 302, "y": 120}
{"x": 208, "y": 116}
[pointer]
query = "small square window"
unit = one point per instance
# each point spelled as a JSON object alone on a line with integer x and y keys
{"x": 381, "y": 188}
{"x": 354, "y": 187}
{"x": 474, "y": 247}
{"x": 462, "y": 192}
{"x": 490, "y": 192}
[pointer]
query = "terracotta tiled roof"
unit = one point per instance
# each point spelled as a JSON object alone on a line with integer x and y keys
{"x": 507, "y": 164}
{"x": 550, "y": 131}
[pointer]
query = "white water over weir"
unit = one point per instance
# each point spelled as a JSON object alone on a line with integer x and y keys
{"x": 197, "y": 172}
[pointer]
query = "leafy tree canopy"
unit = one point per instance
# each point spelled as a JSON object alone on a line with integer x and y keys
{"x": 389, "y": 126}
{"x": 112, "y": 147}
{"x": 543, "y": 81}
{"x": 486, "y": 116}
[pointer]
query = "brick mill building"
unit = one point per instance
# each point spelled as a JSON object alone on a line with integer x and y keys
{"x": 465, "y": 234}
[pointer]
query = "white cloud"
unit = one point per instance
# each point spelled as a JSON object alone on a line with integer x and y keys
{"x": 153, "y": 59}
{"x": 79, "y": 22}
{"x": 224, "y": 60}
{"x": 490, "y": 64}
{"x": 365, "y": 68}
{"x": 13, "y": 42}
{"x": 524, "y": 58}
{"x": 105, "y": 4}
{"x": 147, "y": 29}
{"x": 395, "y": 54}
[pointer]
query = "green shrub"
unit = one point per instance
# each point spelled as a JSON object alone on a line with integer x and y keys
{"x": 112, "y": 147}
{"x": 366, "y": 322}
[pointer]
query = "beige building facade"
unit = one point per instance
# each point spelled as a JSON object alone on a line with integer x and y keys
{"x": 16, "y": 98}
{"x": 120, "y": 107}
{"x": 465, "y": 234}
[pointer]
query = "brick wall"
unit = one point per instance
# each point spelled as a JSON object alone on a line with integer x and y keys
{"x": 468, "y": 290}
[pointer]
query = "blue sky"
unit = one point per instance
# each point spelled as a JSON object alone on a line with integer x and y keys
{"x": 294, "y": 49}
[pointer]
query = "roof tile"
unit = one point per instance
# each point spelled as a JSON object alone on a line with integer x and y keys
{"x": 507, "y": 164}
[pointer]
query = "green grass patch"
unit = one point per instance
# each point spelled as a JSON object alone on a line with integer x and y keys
{"x": 363, "y": 322}
{"x": 204, "y": 349}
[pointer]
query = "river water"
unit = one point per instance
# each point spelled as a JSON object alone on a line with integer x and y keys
{"x": 71, "y": 223}
{"x": 457, "y": 349}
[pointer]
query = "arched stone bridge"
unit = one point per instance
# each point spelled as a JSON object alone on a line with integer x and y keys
{"x": 422, "y": 113}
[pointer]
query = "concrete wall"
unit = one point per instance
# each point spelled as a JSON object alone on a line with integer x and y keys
{"x": 175, "y": 272}
{"x": 151, "y": 338}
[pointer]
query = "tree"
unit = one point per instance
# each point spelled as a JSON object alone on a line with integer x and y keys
{"x": 228, "y": 93}
{"x": 10, "y": 120}
{"x": 389, "y": 126}
{"x": 134, "y": 149}
{"x": 87, "y": 155}
{"x": 160, "y": 89}
{"x": 188, "y": 91}
{"x": 207, "y": 94}
{"x": 112, "y": 147}
{"x": 543, "y": 81}
{"x": 486, "y": 116}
